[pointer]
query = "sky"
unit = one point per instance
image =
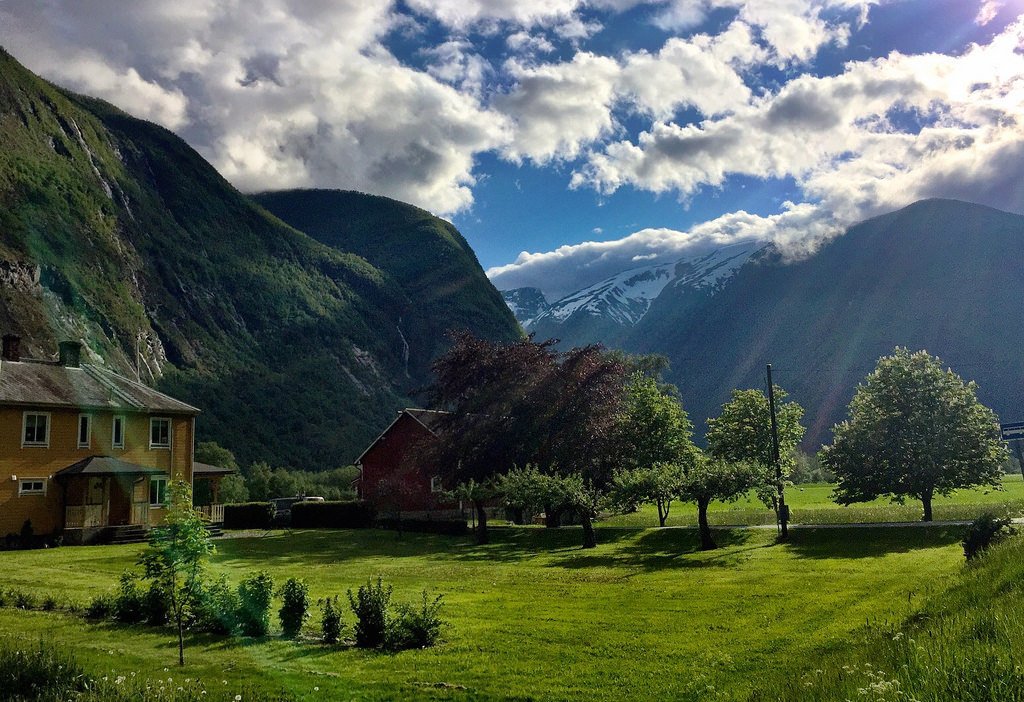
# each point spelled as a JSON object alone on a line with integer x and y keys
{"x": 572, "y": 139}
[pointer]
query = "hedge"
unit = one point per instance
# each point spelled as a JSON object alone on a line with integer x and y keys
{"x": 448, "y": 527}
{"x": 350, "y": 514}
{"x": 249, "y": 515}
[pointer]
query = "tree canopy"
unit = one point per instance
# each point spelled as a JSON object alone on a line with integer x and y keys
{"x": 915, "y": 429}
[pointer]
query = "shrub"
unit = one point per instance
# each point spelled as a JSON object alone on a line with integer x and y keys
{"x": 129, "y": 600}
{"x": 370, "y": 605}
{"x": 217, "y": 609}
{"x": 985, "y": 531}
{"x": 249, "y": 515}
{"x": 447, "y": 527}
{"x": 295, "y": 606}
{"x": 330, "y": 622}
{"x": 416, "y": 627}
{"x": 49, "y": 603}
{"x": 27, "y": 532}
{"x": 354, "y": 514}
{"x": 254, "y": 595}
{"x": 158, "y": 609}
{"x": 24, "y": 600}
{"x": 100, "y": 607}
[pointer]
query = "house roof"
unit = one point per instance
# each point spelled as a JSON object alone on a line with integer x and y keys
{"x": 207, "y": 469}
{"x": 47, "y": 384}
{"x": 427, "y": 418}
{"x": 105, "y": 465}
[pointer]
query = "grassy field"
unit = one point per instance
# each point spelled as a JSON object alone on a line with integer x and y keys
{"x": 643, "y": 616}
{"x": 812, "y": 504}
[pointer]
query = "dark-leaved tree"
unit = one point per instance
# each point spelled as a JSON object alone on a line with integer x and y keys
{"x": 915, "y": 429}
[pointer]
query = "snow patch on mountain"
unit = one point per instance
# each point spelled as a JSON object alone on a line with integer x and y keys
{"x": 526, "y": 304}
{"x": 626, "y": 297}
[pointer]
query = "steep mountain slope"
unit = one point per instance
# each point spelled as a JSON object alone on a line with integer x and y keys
{"x": 114, "y": 231}
{"x": 940, "y": 275}
{"x": 526, "y": 304}
{"x": 442, "y": 284}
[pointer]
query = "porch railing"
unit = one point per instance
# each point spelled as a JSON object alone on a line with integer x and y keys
{"x": 213, "y": 513}
{"x": 84, "y": 516}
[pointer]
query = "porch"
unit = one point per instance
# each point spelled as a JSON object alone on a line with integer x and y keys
{"x": 102, "y": 492}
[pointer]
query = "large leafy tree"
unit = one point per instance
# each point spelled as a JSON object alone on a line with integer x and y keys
{"x": 915, "y": 429}
{"x": 743, "y": 432}
{"x": 174, "y": 560}
{"x": 521, "y": 403}
{"x": 660, "y": 484}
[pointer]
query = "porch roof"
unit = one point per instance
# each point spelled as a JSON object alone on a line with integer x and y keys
{"x": 106, "y": 465}
{"x": 200, "y": 469}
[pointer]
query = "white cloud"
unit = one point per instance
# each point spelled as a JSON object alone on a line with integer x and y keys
{"x": 988, "y": 11}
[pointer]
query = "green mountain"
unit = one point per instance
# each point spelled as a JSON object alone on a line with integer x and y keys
{"x": 115, "y": 232}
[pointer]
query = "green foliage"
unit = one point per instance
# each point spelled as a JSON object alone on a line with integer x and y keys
{"x": 985, "y": 531}
{"x": 743, "y": 432}
{"x": 129, "y": 600}
{"x": 710, "y": 478}
{"x": 212, "y": 453}
{"x": 100, "y": 607}
{"x": 254, "y": 596}
{"x": 233, "y": 489}
{"x": 914, "y": 430}
{"x": 218, "y": 607}
{"x": 38, "y": 672}
{"x": 807, "y": 468}
{"x": 294, "y": 606}
{"x": 416, "y": 626}
{"x": 330, "y": 620}
{"x": 659, "y": 484}
{"x": 370, "y": 605}
{"x": 174, "y": 560}
{"x": 264, "y": 483}
{"x": 249, "y": 515}
{"x": 653, "y": 427}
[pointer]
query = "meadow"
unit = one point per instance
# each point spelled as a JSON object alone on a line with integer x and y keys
{"x": 812, "y": 504}
{"x": 645, "y": 615}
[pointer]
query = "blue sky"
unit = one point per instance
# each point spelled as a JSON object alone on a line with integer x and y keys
{"x": 571, "y": 139}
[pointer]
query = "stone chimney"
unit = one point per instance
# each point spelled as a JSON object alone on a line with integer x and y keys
{"x": 12, "y": 347}
{"x": 70, "y": 354}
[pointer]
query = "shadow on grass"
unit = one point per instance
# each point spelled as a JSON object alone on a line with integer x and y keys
{"x": 870, "y": 542}
{"x": 662, "y": 549}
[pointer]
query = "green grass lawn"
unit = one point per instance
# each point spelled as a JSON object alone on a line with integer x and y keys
{"x": 812, "y": 504}
{"x": 643, "y": 616}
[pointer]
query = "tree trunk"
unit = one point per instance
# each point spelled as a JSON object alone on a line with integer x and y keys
{"x": 706, "y": 542}
{"x": 481, "y": 522}
{"x": 181, "y": 639}
{"x": 589, "y": 537}
{"x": 552, "y": 518}
{"x": 662, "y": 512}
{"x": 926, "y": 500}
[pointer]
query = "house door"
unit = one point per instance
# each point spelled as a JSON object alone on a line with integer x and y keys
{"x": 140, "y": 501}
{"x": 120, "y": 501}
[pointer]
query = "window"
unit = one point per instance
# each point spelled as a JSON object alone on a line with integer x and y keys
{"x": 84, "y": 431}
{"x": 31, "y": 486}
{"x": 435, "y": 484}
{"x": 117, "y": 440}
{"x": 157, "y": 491}
{"x": 159, "y": 432}
{"x": 36, "y": 429}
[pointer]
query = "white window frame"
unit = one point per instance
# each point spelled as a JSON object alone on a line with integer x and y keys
{"x": 114, "y": 443}
{"x": 152, "y": 421}
{"x": 436, "y": 484}
{"x": 22, "y": 492}
{"x": 24, "y": 428}
{"x": 88, "y": 431}
{"x": 153, "y": 480}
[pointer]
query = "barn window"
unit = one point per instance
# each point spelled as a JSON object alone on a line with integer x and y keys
{"x": 435, "y": 484}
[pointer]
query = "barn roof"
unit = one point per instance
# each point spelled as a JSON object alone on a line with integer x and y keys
{"x": 47, "y": 384}
{"x": 425, "y": 417}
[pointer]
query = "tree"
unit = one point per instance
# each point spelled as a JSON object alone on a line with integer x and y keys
{"x": 175, "y": 557}
{"x": 660, "y": 483}
{"x": 215, "y": 455}
{"x": 531, "y": 488}
{"x": 524, "y": 402}
{"x": 743, "y": 432}
{"x": 257, "y": 480}
{"x": 709, "y": 478}
{"x": 233, "y": 489}
{"x": 914, "y": 430}
{"x": 653, "y": 426}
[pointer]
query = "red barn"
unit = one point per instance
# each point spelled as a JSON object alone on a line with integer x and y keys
{"x": 392, "y": 474}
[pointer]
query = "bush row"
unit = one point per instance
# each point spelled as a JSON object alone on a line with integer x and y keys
{"x": 249, "y": 515}
{"x": 355, "y": 514}
{"x": 352, "y": 514}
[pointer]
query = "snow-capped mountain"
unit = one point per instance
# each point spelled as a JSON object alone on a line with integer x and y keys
{"x": 600, "y": 312}
{"x": 526, "y": 304}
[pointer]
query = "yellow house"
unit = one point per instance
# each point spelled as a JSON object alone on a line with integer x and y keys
{"x": 85, "y": 451}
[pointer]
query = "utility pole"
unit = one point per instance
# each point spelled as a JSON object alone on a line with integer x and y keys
{"x": 783, "y": 509}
